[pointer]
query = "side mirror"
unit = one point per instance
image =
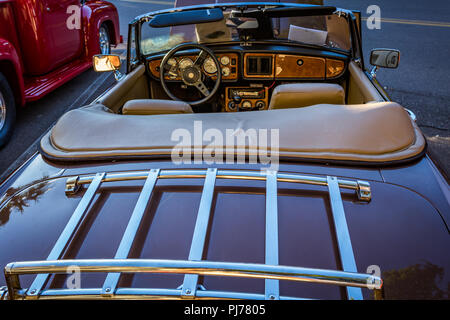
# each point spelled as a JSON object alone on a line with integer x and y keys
{"x": 107, "y": 63}
{"x": 385, "y": 58}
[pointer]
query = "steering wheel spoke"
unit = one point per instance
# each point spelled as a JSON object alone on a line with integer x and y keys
{"x": 202, "y": 88}
{"x": 201, "y": 58}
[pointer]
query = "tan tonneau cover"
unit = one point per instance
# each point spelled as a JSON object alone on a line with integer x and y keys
{"x": 374, "y": 132}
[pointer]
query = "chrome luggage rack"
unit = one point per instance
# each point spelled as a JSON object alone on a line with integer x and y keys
{"x": 192, "y": 268}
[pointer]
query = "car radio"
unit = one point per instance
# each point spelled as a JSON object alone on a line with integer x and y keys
{"x": 246, "y": 98}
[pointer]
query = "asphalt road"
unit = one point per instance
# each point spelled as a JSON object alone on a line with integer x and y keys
{"x": 421, "y": 83}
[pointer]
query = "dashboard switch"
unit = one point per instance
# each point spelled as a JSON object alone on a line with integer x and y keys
{"x": 260, "y": 105}
{"x": 232, "y": 105}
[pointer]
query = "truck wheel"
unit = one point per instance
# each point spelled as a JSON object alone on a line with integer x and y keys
{"x": 7, "y": 111}
{"x": 104, "y": 40}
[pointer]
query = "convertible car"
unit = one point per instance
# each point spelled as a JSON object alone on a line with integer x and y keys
{"x": 246, "y": 153}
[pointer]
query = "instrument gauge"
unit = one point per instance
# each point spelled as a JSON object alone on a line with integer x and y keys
{"x": 185, "y": 62}
{"x": 225, "y": 60}
{"x": 226, "y": 72}
{"x": 246, "y": 104}
{"x": 172, "y": 62}
{"x": 210, "y": 66}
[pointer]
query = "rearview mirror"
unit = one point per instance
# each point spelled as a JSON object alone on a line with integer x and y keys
{"x": 242, "y": 23}
{"x": 105, "y": 63}
{"x": 385, "y": 58}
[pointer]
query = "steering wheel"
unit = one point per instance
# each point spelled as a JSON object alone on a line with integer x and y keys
{"x": 192, "y": 75}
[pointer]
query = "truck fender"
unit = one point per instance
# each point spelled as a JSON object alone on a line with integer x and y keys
{"x": 94, "y": 15}
{"x": 11, "y": 68}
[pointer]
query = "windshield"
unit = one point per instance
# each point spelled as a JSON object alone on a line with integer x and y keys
{"x": 327, "y": 30}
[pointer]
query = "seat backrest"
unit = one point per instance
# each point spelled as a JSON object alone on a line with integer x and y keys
{"x": 154, "y": 106}
{"x": 297, "y": 95}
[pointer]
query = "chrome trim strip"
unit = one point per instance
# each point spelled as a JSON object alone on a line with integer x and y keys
{"x": 210, "y": 268}
{"x": 343, "y": 235}
{"x": 110, "y": 284}
{"x": 68, "y": 232}
{"x": 190, "y": 282}
{"x": 146, "y": 294}
{"x": 225, "y": 174}
{"x": 272, "y": 287}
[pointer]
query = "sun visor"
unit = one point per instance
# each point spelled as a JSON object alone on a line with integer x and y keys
{"x": 186, "y": 17}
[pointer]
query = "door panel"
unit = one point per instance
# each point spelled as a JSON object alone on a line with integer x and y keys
{"x": 45, "y": 40}
{"x": 64, "y": 43}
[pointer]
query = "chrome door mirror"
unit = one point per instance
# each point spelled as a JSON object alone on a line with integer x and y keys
{"x": 385, "y": 58}
{"x": 106, "y": 63}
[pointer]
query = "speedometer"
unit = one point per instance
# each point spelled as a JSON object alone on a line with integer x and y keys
{"x": 186, "y": 62}
{"x": 210, "y": 66}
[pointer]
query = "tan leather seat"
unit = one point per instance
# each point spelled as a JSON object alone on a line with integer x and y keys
{"x": 297, "y": 95}
{"x": 154, "y": 106}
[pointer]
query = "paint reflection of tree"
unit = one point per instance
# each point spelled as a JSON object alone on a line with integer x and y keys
{"x": 415, "y": 282}
{"x": 21, "y": 200}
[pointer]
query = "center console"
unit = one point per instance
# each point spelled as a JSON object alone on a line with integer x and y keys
{"x": 246, "y": 98}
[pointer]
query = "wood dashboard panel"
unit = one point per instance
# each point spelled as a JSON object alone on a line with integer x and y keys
{"x": 294, "y": 66}
{"x": 154, "y": 66}
{"x": 288, "y": 66}
{"x": 334, "y": 68}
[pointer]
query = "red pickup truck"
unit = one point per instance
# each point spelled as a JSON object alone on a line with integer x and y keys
{"x": 44, "y": 44}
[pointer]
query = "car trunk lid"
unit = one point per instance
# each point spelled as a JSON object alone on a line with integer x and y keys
{"x": 234, "y": 218}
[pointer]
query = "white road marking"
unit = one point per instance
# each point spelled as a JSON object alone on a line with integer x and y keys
{"x": 414, "y": 22}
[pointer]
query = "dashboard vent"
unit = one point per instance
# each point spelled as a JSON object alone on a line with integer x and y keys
{"x": 259, "y": 66}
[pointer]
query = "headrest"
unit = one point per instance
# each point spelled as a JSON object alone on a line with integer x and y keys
{"x": 297, "y": 95}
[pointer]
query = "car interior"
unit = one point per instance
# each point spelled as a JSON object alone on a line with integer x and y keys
{"x": 307, "y": 92}
{"x": 348, "y": 86}
{"x": 341, "y": 120}
{"x": 239, "y": 77}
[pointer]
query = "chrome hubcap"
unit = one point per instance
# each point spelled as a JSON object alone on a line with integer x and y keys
{"x": 104, "y": 41}
{"x": 2, "y": 111}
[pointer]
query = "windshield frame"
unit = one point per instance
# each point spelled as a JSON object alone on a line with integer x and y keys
{"x": 355, "y": 42}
